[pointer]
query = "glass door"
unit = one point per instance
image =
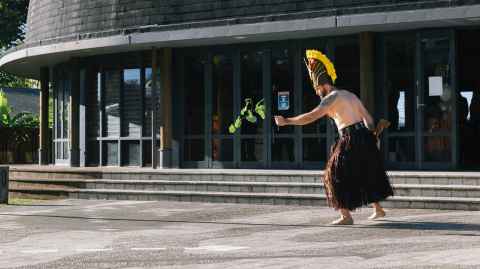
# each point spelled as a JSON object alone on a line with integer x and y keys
{"x": 62, "y": 120}
{"x": 400, "y": 100}
{"x": 419, "y": 99}
{"x": 436, "y": 100}
{"x": 221, "y": 100}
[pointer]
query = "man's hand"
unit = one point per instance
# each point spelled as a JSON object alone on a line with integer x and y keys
{"x": 280, "y": 121}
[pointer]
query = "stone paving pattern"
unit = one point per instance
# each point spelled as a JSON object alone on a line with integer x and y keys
{"x": 134, "y": 234}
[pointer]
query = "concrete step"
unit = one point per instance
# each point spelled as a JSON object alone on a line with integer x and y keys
{"x": 432, "y": 190}
{"x": 471, "y": 180}
{"x": 171, "y": 185}
{"x": 300, "y": 176}
{"x": 245, "y": 197}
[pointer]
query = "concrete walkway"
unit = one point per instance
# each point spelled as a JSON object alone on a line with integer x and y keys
{"x": 132, "y": 234}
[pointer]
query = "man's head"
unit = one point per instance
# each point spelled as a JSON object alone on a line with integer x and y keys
{"x": 321, "y": 71}
{"x": 323, "y": 89}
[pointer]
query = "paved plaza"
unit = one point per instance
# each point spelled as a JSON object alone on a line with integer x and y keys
{"x": 132, "y": 234}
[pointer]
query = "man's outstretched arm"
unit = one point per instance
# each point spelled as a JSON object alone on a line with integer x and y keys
{"x": 309, "y": 117}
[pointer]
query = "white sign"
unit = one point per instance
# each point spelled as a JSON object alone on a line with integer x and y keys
{"x": 435, "y": 86}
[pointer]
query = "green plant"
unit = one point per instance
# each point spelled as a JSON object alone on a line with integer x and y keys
{"x": 248, "y": 113}
{"x": 20, "y": 120}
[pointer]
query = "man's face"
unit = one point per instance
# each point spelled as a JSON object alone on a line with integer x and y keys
{"x": 320, "y": 91}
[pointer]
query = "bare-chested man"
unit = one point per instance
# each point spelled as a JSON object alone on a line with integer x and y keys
{"x": 355, "y": 175}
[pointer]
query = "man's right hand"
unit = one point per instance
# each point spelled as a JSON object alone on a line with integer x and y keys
{"x": 280, "y": 121}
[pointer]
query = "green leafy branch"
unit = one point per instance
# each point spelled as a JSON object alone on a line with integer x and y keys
{"x": 248, "y": 113}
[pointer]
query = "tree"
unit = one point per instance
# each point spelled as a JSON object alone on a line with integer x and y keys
{"x": 13, "y": 17}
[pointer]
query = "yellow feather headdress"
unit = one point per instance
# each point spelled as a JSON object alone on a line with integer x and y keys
{"x": 329, "y": 67}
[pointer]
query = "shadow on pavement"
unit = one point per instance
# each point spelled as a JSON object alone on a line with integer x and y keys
{"x": 427, "y": 225}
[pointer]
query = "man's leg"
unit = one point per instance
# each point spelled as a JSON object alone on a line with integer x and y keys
{"x": 378, "y": 211}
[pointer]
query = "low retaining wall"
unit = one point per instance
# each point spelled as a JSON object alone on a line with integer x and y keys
{"x": 3, "y": 184}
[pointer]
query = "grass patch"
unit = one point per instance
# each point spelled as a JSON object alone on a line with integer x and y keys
{"x": 24, "y": 201}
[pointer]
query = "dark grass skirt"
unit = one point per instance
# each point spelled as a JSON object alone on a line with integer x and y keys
{"x": 355, "y": 174}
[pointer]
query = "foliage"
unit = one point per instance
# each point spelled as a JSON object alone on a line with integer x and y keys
{"x": 13, "y": 16}
{"x": 248, "y": 113}
{"x": 20, "y": 120}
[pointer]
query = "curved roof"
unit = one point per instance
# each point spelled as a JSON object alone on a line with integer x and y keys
{"x": 59, "y": 30}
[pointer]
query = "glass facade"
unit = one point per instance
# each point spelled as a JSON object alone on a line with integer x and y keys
{"x": 422, "y": 86}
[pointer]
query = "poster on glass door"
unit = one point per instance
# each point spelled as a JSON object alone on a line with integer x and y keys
{"x": 283, "y": 101}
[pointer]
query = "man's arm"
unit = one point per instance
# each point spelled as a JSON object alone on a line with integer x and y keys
{"x": 309, "y": 117}
{"x": 367, "y": 118}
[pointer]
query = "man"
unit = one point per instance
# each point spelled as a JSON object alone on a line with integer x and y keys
{"x": 355, "y": 175}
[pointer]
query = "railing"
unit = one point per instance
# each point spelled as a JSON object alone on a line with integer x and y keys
{"x": 19, "y": 145}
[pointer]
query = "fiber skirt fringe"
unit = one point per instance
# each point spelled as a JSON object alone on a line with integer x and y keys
{"x": 355, "y": 174}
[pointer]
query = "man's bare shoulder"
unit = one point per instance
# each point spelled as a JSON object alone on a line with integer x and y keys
{"x": 329, "y": 99}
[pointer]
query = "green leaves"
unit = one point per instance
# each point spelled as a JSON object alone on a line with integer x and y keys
{"x": 260, "y": 109}
{"x": 248, "y": 112}
{"x": 20, "y": 120}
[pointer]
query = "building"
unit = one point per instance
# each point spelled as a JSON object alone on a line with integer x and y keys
{"x": 157, "y": 83}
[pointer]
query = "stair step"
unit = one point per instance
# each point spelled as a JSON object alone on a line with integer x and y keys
{"x": 253, "y": 198}
{"x": 428, "y": 190}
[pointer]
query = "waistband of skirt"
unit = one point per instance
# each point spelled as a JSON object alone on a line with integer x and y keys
{"x": 351, "y": 128}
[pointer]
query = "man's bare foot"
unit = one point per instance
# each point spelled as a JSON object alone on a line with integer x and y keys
{"x": 343, "y": 221}
{"x": 377, "y": 214}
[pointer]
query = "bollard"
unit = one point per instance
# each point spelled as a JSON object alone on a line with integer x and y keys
{"x": 3, "y": 184}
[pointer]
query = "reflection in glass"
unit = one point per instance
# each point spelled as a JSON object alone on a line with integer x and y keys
{"x": 147, "y": 153}
{"x": 66, "y": 109}
{"x": 93, "y": 153}
{"x": 110, "y": 153}
{"x": 315, "y": 149}
{"x": 401, "y": 149}
{"x": 282, "y": 81}
{"x": 438, "y": 102}
{"x": 132, "y": 102}
{"x": 222, "y": 149}
{"x": 131, "y": 153}
{"x": 283, "y": 150}
{"x": 222, "y": 94}
{"x": 148, "y": 101}
{"x": 437, "y": 149}
{"x": 347, "y": 64}
{"x": 111, "y": 103}
{"x": 252, "y": 150}
{"x": 93, "y": 108}
{"x": 194, "y": 150}
{"x": 252, "y": 87}
{"x": 194, "y": 96}
{"x": 400, "y": 82}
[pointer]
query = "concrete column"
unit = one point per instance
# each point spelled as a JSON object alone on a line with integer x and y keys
{"x": 43, "y": 151}
{"x": 165, "y": 153}
{"x": 74, "y": 120}
{"x": 367, "y": 76}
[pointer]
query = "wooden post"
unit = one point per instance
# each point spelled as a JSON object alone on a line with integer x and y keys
{"x": 367, "y": 77}
{"x": 43, "y": 152}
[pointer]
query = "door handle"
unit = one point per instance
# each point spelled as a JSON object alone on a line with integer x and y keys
{"x": 419, "y": 105}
